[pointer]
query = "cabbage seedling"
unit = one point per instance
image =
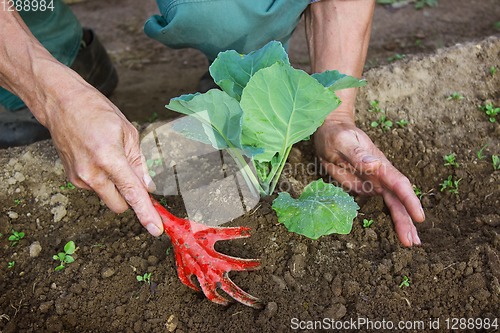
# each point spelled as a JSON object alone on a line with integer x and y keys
{"x": 265, "y": 107}
{"x": 65, "y": 257}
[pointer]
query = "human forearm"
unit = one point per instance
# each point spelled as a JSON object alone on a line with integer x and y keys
{"x": 338, "y": 33}
{"x": 29, "y": 71}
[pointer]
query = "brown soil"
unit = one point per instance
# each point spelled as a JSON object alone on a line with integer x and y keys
{"x": 454, "y": 274}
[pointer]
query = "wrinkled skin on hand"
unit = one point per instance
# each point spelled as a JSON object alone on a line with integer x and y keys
{"x": 352, "y": 159}
{"x": 100, "y": 150}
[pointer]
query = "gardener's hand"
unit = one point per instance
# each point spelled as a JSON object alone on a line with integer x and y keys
{"x": 97, "y": 145}
{"x": 100, "y": 151}
{"x": 351, "y": 158}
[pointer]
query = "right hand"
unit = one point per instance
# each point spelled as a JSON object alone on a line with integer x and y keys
{"x": 100, "y": 150}
{"x": 351, "y": 158}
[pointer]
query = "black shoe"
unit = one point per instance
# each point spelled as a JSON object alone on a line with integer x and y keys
{"x": 94, "y": 65}
{"x": 18, "y": 128}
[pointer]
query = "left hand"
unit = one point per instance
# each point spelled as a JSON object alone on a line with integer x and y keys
{"x": 351, "y": 158}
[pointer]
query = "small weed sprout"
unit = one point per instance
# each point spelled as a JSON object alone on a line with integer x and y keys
{"x": 145, "y": 278}
{"x": 452, "y": 186}
{"x": 375, "y": 107}
{"x": 418, "y": 192}
{"x": 419, "y": 43}
{"x": 163, "y": 202}
{"x": 490, "y": 111}
{"x": 384, "y": 123}
{"x": 156, "y": 163}
{"x": 422, "y": 3}
{"x": 454, "y": 96}
{"x": 153, "y": 117}
{"x": 480, "y": 152}
{"x": 11, "y": 264}
{"x": 450, "y": 160}
{"x": 373, "y": 63}
{"x": 402, "y": 122}
{"x": 65, "y": 257}
{"x": 496, "y": 162}
{"x": 406, "y": 282}
{"x": 397, "y": 56}
{"x": 16, "y": 237}
{"x": 367, "y": 223}
{"x": 69, "y": 187}
{"x": 493, "y": 70}
{"x": 419, "y": 4}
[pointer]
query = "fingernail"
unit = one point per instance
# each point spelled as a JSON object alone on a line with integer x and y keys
{"x": 422, "y": 211}
{"x": 417, "y": 240}
{"x": 153, "y": 230}
{"x": 410, "y": 239}
{"x": 149, "y": 183}
{"x": 369, "y": 159}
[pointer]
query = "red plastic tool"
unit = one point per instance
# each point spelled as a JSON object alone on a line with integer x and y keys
{"x": 195, "y": 254}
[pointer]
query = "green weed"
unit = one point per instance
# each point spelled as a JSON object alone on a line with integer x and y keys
{"x": 152, "y": 118}
{"x": 454, "y": 96}
{"x": 397, "y": 56}
{"x": 69, "y": 186}
{"x": 490, "y": 111}
{"x": 11, "y": 264}
{"x": 383, "y": 122}
{"x": 406, "y": 282}
{"x": 375, "y": 107}
{"x": 402, "y": 122}
{"x": 450, "y": 160}
{"x": 480, "y": 152}
{"x": 419, "y": 43}
{"x": 65, "y": 257}
{"x": 145, "y": 278}
{"x": 496, "y": 162}
{"x": 452, "y": 186}
{"x": 418, "y": 192}
{"x": 153, "y": 162}
{"x": 367, "y": 223}
{"x": 16, "y": 237}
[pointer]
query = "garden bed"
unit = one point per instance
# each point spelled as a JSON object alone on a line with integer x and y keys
{"x": 455, "y": 273}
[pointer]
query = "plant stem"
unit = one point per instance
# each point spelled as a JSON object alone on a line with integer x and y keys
{"x": 250, "y": 179}
{"x": 276, "y": 175}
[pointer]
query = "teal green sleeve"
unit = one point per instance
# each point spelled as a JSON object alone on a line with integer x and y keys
{"x": 60, "y": 33}
{"x": 212, "y": 26}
